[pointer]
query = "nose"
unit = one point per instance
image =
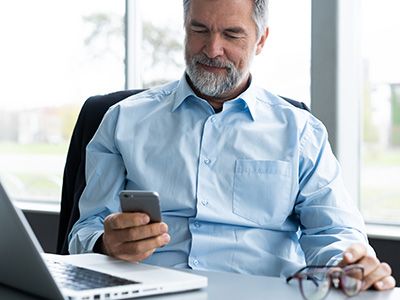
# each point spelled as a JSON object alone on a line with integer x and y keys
{"x": 214, "y": 46}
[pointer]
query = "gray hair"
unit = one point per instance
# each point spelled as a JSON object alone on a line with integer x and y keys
{"x": 260, "y": 14}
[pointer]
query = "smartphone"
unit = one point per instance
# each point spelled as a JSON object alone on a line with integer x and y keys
{"x": 141, "y": 201}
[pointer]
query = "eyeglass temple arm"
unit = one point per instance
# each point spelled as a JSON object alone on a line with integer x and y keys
{"x": 295, "y": 274}
{"x": 289, "y": 278}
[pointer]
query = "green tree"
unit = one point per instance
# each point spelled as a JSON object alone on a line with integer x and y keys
{"x": 370, "y": 132}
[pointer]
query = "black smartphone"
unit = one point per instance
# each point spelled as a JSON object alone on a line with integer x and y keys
{"x": 147, "y": 202}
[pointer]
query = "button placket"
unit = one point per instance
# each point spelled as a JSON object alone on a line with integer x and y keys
{"x": 206, "y": 165}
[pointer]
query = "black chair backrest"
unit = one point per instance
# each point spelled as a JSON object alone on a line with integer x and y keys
{"x": 74, "y": 181}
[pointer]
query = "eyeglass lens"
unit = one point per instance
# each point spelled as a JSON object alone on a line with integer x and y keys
{"x": 315, "y": 282}
{"x": 351, "y": 280}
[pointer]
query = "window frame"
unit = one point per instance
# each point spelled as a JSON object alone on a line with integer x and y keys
{"x": 336, "y": 82}
{"x": 336, "y": 91}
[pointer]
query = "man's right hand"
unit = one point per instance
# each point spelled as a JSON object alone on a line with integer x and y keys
{"x": 129, "y": 236}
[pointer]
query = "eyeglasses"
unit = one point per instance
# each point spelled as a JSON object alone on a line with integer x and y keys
{"x": 316, "y": 281}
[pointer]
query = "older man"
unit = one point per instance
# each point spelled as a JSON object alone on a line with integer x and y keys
{"x": 248, "y": 183}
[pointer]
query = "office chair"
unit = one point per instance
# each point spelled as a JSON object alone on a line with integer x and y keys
{"x": 74, "y": 181}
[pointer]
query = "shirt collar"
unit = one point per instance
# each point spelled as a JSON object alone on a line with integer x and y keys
{"x": 248, "y": 97}
{"x": 183, "y": 91}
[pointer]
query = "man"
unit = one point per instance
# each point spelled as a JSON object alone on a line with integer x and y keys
{"x": 248, "y": 183}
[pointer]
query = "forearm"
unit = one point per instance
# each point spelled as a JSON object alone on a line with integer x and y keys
{"x": 105, "y": 177}
{"x": 326, "y": 247}
{"x": 330, "y": 220}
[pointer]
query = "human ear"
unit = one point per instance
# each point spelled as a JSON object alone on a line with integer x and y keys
{"x": 261, "y": 41}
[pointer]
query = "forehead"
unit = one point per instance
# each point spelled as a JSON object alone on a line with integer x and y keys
{"x": 222, "y": 13}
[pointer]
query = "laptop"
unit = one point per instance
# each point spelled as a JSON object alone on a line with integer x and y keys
{"x": 85, "y": 276}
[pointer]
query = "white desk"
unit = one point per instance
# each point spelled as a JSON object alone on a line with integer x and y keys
{"x": 239, "y": 287}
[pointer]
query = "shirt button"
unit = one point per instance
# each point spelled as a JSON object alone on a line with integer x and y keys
{"x": 213, "y": 119}
{"x": 207, "y": 161}
{"x": 197, "y": 224}
{"x": 195, "y": 262}
{"x": 204, "y": 202}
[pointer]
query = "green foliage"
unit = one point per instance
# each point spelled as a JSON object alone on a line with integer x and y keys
{"x": 106, "y": 29}
{"x": 162, "y": 53}
{"x": 370, "y": 133}
{"x": 395, "y": 104}
{"x": 161, "y": 44}
{"x": 380, "y": 204}
{"x": 382, "y": 158}
{"x": 37, "y": 148}
{"x": 395, "y": 101}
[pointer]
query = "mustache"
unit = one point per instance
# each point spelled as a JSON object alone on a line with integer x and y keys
{"x": 213, "y": 62}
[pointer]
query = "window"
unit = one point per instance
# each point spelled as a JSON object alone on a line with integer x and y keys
{"x": 158, "y": 52}
{"x": 53, "y": 56}
{"x": 380, "y": 172}
{"x": 56, "y": 55}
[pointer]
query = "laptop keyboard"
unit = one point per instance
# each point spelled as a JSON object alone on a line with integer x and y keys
{"x": 77, "y": 278}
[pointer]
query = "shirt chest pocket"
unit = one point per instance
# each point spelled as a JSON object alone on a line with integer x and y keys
{"x": 262, "y": 191}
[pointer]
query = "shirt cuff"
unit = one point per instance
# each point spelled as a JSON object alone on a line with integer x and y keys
{"x": 83, "y": 242}
{"x": 92, "y": 241}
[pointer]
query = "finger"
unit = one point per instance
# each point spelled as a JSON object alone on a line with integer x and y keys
{"x": 353, "y": 254}
{"x": 125, "y": 220}
{"x": 138, "y": 257}
{"x": 135, "y": 250}
{"x": 140, "y": 232}
{"x": 382, "y": 271}
{"x": 385, "y": 283}
{"x": 369, "y": 263}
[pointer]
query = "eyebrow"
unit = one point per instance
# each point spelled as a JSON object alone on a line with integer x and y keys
{"x": 197, "y": 24}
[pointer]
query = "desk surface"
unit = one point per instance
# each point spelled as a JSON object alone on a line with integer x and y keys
{"x": 238, "y": 287}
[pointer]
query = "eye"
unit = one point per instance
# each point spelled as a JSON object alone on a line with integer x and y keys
{"x": 198, "y": 29}
{"x": 232, "y": 35}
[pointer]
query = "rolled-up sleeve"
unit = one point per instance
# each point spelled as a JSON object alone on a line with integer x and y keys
{"x": 105, "y": 177}
{"x": 330, "y": 220}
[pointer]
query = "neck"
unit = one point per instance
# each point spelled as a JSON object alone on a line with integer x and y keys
{"x": 218, "y": 101}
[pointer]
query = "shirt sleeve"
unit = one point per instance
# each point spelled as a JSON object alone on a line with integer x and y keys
{"x": 105, "y": 177}
{"x": 329, "y": 219}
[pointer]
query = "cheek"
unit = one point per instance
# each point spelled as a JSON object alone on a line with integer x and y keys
{"x": 193, "y": 45}
{"x": 239, "y": 57}
{"x": 245, "y": 57}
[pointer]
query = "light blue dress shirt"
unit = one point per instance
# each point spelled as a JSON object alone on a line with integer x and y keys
{"x": 254, "y": 189}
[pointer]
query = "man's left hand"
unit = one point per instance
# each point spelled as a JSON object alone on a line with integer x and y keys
{"x": 376, "y": 274}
